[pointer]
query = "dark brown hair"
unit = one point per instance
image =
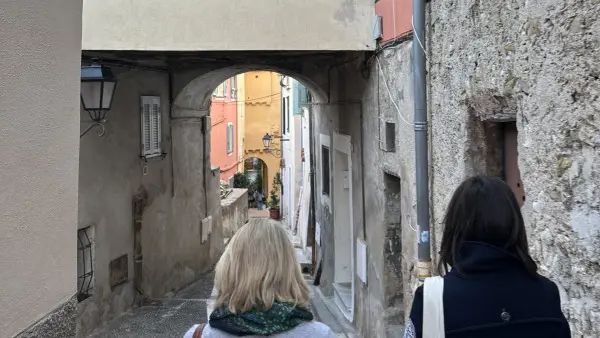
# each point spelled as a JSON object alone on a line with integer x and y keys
{"x": 484, "y": 209}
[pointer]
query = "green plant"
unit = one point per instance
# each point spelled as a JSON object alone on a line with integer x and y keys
{"x": 273, "y": 200}
{"x": 274, "y": 194}
{"x": 259, "y": 178}
{"x": 240, "y": 180}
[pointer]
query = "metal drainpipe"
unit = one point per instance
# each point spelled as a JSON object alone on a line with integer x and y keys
{"x": 421, "y": 141}
{"x": 313, "y": 187}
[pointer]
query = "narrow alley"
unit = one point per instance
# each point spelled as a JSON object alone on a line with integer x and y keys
{"x": 172, "y": 315}
{"x": 138, "y": 137}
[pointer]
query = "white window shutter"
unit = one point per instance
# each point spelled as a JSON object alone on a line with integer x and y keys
{"x": 151, "y": 126}
{"x": 227, "y": 138}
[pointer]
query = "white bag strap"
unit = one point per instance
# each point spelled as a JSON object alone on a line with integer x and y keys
{"x": 433, "y": 308}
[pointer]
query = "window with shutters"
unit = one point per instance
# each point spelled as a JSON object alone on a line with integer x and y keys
{"x": 221, "y": 90}
{"x": 230, "y": 138}
{"x": 284, "y": 114}
{"x": 325, "y": 170}
{"x": 287, "y": 114}
{"x": 233, "y": 86}
{"x": 151, "y": 128}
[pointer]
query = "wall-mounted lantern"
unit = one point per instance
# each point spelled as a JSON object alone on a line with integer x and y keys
{"x": 267, "y": 139}
{"x": 98, "y": 85}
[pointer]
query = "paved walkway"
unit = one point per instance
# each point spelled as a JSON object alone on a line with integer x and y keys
{"x": 163, "y": 318}
{"x": 255, "y": 213}
{"x": 171, "y": 317}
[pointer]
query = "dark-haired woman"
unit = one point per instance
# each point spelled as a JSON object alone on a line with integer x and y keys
{"x": 492, "y": 288}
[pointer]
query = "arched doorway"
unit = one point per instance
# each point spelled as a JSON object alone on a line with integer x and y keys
{"x": 175, "y": 235}
{"x": 191, "y": 128}
{"x": 257, "y": 173}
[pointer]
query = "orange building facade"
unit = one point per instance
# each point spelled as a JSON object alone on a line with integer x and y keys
{"x": 224, "y": 151}
{"x": 396, "y": 18}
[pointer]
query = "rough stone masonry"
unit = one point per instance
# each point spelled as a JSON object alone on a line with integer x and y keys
{"x": 537, "y": 62}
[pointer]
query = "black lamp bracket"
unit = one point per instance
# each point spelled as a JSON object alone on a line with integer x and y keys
{"x": 100, "y": 129}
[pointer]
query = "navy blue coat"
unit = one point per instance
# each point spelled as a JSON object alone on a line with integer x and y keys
{"x": 495, "y": 297}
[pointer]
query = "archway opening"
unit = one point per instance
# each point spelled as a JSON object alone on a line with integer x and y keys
{"x": 256, "y": 115}
{"x": 257, "y": 174}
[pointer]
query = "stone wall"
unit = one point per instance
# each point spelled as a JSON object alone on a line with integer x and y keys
{"x": 363, "y": 105}
{"x": 536, "y": 62}
{"x": 390, "y": 189}
{"x": 234, "y": 209}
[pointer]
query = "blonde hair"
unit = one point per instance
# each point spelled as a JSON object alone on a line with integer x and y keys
{"x": 258, "y": 268}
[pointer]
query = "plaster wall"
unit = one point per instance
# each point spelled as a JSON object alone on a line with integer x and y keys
{"x": 111, "y": 173}
{"x": 263, "y": 115}
{"x": 288, "y": 147}
{"x": 39, "y": 91}
{"x": 380, "y": 303}
{"x": 223, "y": 111}
{"x": 390, "y": 248}
{"x": 252, "y": 25}
{"x": 241, "y": 115}
{"x": 297, "y": 158}
{"x": 537, "y": 62}
{"x": 234, "y": 209}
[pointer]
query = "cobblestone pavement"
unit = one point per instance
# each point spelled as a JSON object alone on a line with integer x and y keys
{"x": 164, "y": 317}
{"x": 173, "y": 315}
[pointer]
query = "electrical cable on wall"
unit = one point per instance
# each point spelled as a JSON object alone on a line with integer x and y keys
{"x": 390, "y": 94}
{"x": 412, "y": 23}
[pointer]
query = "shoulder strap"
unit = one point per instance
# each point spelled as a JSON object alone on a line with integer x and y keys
{"x": 198, "y": 332}
{"x": 433, "y": 308}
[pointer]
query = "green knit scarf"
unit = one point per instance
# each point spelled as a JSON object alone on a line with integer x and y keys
{"x": 281, "y": 317}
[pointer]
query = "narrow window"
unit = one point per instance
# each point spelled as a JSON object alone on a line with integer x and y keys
{"x": 233, "y": 93}
{"x": 287, "y": 113}
{"x": 85, "y": 263}
{"x": 325, "y": 171}
{"x": 284, "y": 115}
{"x": 151, "y": 126}
{"x": 221, "y": 90}
{"x": 230, "y": 138}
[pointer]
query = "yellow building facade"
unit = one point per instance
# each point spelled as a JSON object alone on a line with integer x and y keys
{"x": 241, "y": 114}
{"x": 262, "y": 111}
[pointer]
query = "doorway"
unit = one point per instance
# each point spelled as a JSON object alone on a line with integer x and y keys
{"x": 343, "y": 220}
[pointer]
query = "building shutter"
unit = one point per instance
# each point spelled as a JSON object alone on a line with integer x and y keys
{"x": 151, "y": 126}
{"x": 232, "y": 139}
{"x": 228, "y": 139}
{"x": 296, "y": 98}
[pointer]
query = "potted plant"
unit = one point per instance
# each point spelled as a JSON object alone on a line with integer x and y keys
{"x": 273, "y": 203}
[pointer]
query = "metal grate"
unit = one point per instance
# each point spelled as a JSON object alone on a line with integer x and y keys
{"x": 85, "y": 270}
{"x": 119, "y": 271}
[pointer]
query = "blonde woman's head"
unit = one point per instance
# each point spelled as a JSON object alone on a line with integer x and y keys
{"x": 258, "y": 268}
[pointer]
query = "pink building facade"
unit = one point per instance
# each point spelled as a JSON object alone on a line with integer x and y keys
{"x": 224, "y": 135}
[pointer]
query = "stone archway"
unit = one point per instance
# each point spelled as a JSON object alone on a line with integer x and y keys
{"x": 193, "y": 178}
